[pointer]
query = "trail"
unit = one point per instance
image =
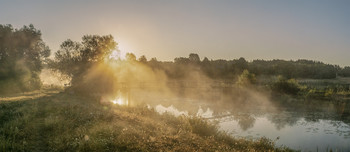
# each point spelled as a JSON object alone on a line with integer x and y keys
{"x": 28, "y": 95}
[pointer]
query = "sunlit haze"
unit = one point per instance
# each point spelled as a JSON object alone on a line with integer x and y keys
{"x": 175, "y": 75}
{"x": 254, "y": 29}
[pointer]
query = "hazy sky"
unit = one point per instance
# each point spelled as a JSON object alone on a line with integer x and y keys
{"x": 226, "y": 29}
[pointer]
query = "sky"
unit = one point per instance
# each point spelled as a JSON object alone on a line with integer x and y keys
{"x": 217, "y": 29}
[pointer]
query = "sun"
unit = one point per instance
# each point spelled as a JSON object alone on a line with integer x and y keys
{"x": 123, "y": 48}
{"x": 116, "y": 55}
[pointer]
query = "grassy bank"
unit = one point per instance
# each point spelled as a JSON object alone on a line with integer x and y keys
{"x": 64, "y": 122}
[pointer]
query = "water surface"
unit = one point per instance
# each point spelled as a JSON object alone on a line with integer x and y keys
{"x": 306, "y": 131}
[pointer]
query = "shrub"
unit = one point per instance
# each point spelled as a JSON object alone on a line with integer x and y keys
{"x": 246, "y": 78}
{"x": 283, "y": 85}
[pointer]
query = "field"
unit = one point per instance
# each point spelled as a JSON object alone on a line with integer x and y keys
{"x": 50, "y": 120}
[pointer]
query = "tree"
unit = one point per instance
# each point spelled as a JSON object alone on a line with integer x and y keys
{"x": 153, "y": 63}
{"x": 130, "y": 57}
{"x": 153, "y": 60}
{"x": 143, "y": 59}
{"x": 22, "y": 55}
{"x": 194, "y": 58}
{"x": 240, "y": 65}
{"x": 206, "y": 61}
{"x": 74, "y": 59}
{"x": 345, "y": 72}
{"x": 181, "y": 60}
{"x": 246, "y": 79}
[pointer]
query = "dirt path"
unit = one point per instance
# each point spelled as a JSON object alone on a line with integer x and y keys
{"x": 28, "y": 95}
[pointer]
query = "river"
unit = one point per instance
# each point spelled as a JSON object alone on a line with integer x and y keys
{"x": 298, "y": 129}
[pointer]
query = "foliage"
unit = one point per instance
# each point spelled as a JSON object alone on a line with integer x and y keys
{"x": 246, "y": 79}
{"x": 295, "y": 69}
{"x": 345, "y": 72}
{"x": 130, "y": 57}
{"x": 22, "y": 54}
{"x": 194, "y": 58}
{"x": 227, "y": 69}
{"x": 143, "y": 59}
{"x": 288, "y": 86}
{"x": 75, "y": 59}
{"x": 329, "y": 93}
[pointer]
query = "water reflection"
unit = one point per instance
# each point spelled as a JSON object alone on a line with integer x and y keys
{"x": 306, "y": 124}
{"x": 284, "y": 119}
{"x": 295, "y": 133}
{"x": 245, "y": 121}
{"x": 306, "y": 131}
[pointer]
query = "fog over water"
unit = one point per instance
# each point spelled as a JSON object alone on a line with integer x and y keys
{"x": 302, "y": 129}
{"x": 286, "y": 128}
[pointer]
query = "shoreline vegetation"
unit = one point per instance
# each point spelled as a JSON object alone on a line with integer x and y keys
{"x": 66, "y": 122}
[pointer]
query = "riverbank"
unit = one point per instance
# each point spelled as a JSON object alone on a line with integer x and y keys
{"x": 65, "y": 122}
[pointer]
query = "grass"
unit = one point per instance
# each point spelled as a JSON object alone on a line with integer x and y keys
{"x": 65, "y": 122}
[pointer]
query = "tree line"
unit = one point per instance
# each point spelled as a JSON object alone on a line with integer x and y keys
{"x": 23, "y": 54}
{"x": 225, "y": 69}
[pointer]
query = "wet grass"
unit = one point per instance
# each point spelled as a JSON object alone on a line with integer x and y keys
{"x": 64, "y": 122}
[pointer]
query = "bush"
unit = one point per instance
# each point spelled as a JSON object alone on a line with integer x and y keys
{"x": 246, "y": 79}
{"x": 282, "y": 85}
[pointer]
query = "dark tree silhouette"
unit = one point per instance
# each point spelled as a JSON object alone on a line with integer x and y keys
{"x": 181, "y": 60}
{"x": 345, "y": 72}
{"x": 74, "y": 59}
{"x": 130, "y": 57}
{"x": 143, "y": 59}
{"x": 22, "y": 55}
{"x": 194, "y": 58}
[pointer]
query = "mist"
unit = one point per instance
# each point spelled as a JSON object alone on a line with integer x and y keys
{"x": 96, "y": 90}
{"x": 136, "y": 83}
